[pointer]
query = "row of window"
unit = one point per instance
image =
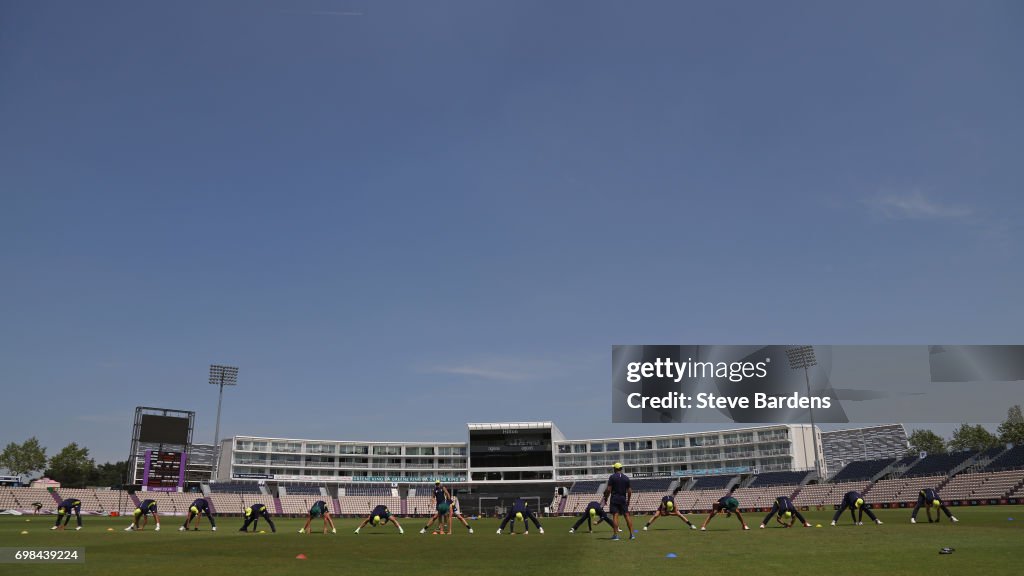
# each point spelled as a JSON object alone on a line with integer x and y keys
{"x": 327, "y": 474}
{"x": 383, "y": 450}
{"x": 445, "y": 463}
{"x": 702, "y": 455}
{"x": 568, "y": 448}
{"x": 667, "y": 443}
{"x": 668, "y": 469}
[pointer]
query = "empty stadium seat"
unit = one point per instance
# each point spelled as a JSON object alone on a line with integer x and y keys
{"x": 1012, "y": 459}
{"x": 862, "y": 469}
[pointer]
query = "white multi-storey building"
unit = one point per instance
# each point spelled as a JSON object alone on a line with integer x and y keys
{"x": 519, "y": 452}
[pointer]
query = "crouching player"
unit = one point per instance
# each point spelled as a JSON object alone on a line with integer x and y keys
{"x": 855, "y": 502}
{"x": 728, "y": 505}
{"x": 379, "y": 516}
{"x": 784, "y": 510}
{"x": 520, "y": 511}
{"x": 146, "y": 508}
{"x": 319, "y": 510}
{"x": 198, "y": 508}
{"x": 668, "y": 508}
{"x": 72, "y": 505}
{"x": 929, "y": 498}
{"x": 253, "y": 515}
{"x": 592, "y": 515}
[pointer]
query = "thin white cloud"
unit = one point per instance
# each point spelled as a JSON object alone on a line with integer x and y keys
{"x": 487, "y": 373}
{"x": 322, "y": 13}
{"x": 527, "y": 371}
{"x": 916, "y": 205}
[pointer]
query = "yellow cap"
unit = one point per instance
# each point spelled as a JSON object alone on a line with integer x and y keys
{"x": 376, "y": 520}
{"x": 936, "y": 503}
{"x": 593, "y": 511}
{"x": 519, "y": 515}
{"x": 618, "y": 466}
{"x": 789, "y": 514}
{"x": 860, "y": 502}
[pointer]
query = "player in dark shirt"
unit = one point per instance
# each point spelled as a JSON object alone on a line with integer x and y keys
{"x": 727, "y": 505}
{"x": 319, "y": 510}
{"x": 146, "y": 507}
{"x": 593, "y": 514}
{"x": 520, "y": 510}
{"x": 929, "y": 498}
{"x": 442, "y": 510}
{"x": 252, "y": 516}
{"x": 784, "y": 510}
{"x": 198, "y": 508}
{"x": 855, "y": 502}
{"x": 379, "y": 516}
{"x": 74, "y": 505}
{"x": 620, "y": 494}
{"x": 668, "y": 508}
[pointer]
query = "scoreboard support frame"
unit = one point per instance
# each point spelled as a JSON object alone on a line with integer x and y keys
{"x": 133, "y": 478}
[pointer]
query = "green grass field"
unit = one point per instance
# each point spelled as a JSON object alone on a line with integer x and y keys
{"x": 985, "y": 542}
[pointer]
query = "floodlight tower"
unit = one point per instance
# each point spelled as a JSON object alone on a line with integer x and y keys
{"x": 220, "y": 376}
{"x": 803, "y": 357}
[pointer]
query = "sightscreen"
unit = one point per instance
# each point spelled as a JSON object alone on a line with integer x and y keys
{"x": 510, "y": 447}
{"x": 164, "y": 430}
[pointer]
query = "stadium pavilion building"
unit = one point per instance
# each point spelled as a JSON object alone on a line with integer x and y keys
{"x": 868, "y": 443}
{"x": 518, "y": 452}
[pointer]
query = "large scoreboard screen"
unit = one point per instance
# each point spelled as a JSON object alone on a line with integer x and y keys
{"x": 510, "y": 447}
{"x": 164, "y": 471}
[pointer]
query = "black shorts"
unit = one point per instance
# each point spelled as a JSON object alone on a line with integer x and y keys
{"x": 618, "y": 507}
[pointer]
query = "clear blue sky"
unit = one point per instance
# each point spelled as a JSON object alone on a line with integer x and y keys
{"x": 378, "y": 208}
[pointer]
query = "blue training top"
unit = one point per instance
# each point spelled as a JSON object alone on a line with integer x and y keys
{"x": 619, "y": 484}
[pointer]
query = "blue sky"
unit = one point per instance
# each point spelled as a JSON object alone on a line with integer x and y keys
{"x": 377, "y": 209}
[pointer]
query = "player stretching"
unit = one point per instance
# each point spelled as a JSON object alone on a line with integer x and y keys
{"x": 855, "y": 502}
{"x": 520, "y": 511}
{"x": 146, "y": 508}
{"x": 198, "y": 508}
{"x": 319, "y": 510}
{"x": 594, "y": 514}
{"x": 456, "y": 514}
{"x": 784, "y": 509}
{"x": 929, "y": 498}
{"x": 253, "y": 515}
{"x": 73, "y": 505}
{"x": 668, "y": 508}
{"x": 621, "y": 493}
{"x": 728, "y": 505}
{"x": 379, "y": 516}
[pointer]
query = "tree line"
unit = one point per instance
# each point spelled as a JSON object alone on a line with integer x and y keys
{"x": 72, "y": 466}
{"x": 971, "y": 437}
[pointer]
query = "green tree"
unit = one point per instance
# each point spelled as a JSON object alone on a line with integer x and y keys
{"x": 109, "y": 475}
{"x": 967, "y": 437}
{"x": 1011, "y": 431}
{"x": 926, "y": 441}
{"x": 71, "y": 466}
{"x": 23, "y": 459}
